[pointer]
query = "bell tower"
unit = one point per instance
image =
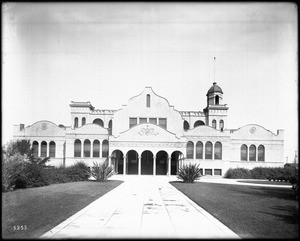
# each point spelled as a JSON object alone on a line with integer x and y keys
{"x": 215, "y": 111}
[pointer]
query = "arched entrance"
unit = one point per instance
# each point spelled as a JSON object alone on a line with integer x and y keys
{"x": 132, "y": 162}
{"x": 147, "y": 163}
{"x": 176, "y": 157}
{"x": 118, "y": 161}
{"x": 161, "y": 163}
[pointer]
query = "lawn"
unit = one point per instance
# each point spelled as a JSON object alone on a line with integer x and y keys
{"x": 249, "y": 211}
{"x": 266, "y": 182}
{"x": 42, "y": 208}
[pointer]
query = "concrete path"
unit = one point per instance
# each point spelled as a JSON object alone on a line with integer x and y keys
{"x": 142, "y": 207}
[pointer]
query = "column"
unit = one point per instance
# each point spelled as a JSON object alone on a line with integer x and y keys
{"x": 154, "y": 165}
{"x": 248, "y": 148}
{"x": 109, "y": 160}
{"x": 39, "y": 148}
{"x": 48, "y": 149}
{"x": 213, "y": 151}
{"x": 92, "y": 146}
{"x": 82, "y": 146}
{"x": 124, "y": 165}
{"x": 139, "y": 165}
{"x": 169, "y": 166}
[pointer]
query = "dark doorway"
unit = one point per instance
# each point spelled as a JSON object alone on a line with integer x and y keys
{"x": 161, "y": 163}
{"x": 132, "y": 162}
{"x": 118, "y": 161}
{"x": 176, "y": 155}
{"x": 147, "y": 163}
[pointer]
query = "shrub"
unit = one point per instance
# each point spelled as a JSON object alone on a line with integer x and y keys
{"x": 238, "y": 173}
{"x": 260, "y": 172}
{"x": 78, "y": 172}
{"x": 189, "y": 173}
{"x": 101, "y": 172}
{"x": 57, "y": 175}
{"x": 34, "y": 176}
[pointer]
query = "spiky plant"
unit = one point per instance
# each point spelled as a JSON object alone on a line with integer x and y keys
{"x": 101, "y": 172}
{"x": 189, "y": 173}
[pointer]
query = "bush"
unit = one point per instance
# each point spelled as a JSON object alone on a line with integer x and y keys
{"x": 238, "y": 173}
{"x": 78, "y": 172}
{"x": 101, "y": 172}
{"x": 34, "y": 176}
{"x": 260, "y": 172}
{"x": 57, "y": 175}
{"x": 189, "y": 173}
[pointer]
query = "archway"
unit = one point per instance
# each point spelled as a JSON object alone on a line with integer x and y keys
{"x": 161, "y": 163}
{"x": 175, "y": 158}
{"x": 118, "y": 161}
{"x": 132, "y": 162}
{"x": 147, "y": 163}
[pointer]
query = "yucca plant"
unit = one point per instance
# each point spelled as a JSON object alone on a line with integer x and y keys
{"x": 189, "y": 173}
{"x": 101, "y": 172}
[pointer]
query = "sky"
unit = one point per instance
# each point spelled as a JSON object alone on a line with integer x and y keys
{"x": 106, "y": 53}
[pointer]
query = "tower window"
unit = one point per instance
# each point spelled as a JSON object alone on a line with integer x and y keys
{"x": 217, "y": 100}
{"x": 162, "y": 122}
{"x": 214, "y": 124}
{"x": 221, "y": 125}
{"x": 148, "y": 100}
{"x": 132, "y": 122}
{"x": 83, "y": 121}
{"x": 75, "y": 122}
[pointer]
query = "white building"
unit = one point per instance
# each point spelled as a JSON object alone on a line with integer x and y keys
{"x": 149, "y": 136}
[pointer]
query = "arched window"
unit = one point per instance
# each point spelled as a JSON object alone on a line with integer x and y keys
{"x": 217, "y": 100}
{"x": 52, "y": 149}
{"x": 198, "y": 123}
{"x": 214, "y": 124}
{"x": 208, "y": 150}
{"x": 105, "y": 148}
{"x": 261, "y": 153}
{"x": 221, "y": 125}
{"x": 199, "y": 150}
{"x": 244, "y": 153}
{"x": 110, "y": 127}
{"x": 218, "y": 151}
{"x": 148, "y": 100}
{"x": 83, "y": 121}
{"x": 96, "y": 148}
{"x": 99, "y": 122}
{"x": 190, "y": 150}
{"x": 44, "y": 149}
{"x": 75, "y": 122}
{"x": 186, "y": 125}
{"x": 35, "y": 147}
{"x": 77, "y": 148}
{"x": 87, "y": 148}
{"x": 252, "y": 153}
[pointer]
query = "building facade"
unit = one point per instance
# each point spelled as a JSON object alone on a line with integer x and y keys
{"x": 148, "y": 136}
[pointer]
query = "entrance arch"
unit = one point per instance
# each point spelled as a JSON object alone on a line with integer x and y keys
{"x": 147, "y": 163}
{"x": 118, "y": 161}
{"x": 176, "y": 157}
{"x": 161, "y": 163}
{"x": 132, "y": 162}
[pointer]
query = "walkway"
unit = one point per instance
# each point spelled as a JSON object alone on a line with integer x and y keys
{"x": 142, "y": 207}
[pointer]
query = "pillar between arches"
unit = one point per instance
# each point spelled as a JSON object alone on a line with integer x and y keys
{"x": 139, "y": 165}
{"x": 124, "y": 165}
{"x": 169, "y": 166}
{"x": 154, "y": 165}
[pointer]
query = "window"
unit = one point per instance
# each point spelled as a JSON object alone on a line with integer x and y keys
{"x": 208, "y": 150}
{"x": 252, "y": 153}
{"x": 244, "y": 153}
{"x": 83, "y": 121}
{"x": 110, "y": 127}
{"x": 44, "y": 149}
{"x": 153, "y": 121}
{"x": 218, "y": 151}
{"x": 87, "y": 148}
{"x": 96, "y": 148}
{"x": 132, "y": 122}
{"x": 52, "y": 149}
{"x": 148, "y": 100}
{"x": 198, "y": 123}
{"x": 199, "y": 150}
{"x": 163, "y": 122}
{"x": 221, "y": 125}
{"x": 186, "y": 125}
{"x": 77, "y": 148}
{"x": 261, "y": 153}
{"x": 142, "y": 120}
{"x": 217, "y": 172}
{"x": 98, "y": 122}
{"x": 105, "y": 148}
{"x": 217, "y": 100}
{"x": 214, "y": 124}
{"x": 190, "y": 150}
{"x": 208, "y": 172}
{"x": 75, "y": 122}
{"x": 35, "y": 147}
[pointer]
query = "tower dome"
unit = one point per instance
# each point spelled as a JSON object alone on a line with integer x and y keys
{"x": 214, "y": 88}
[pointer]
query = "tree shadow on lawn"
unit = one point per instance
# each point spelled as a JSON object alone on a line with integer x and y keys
{"x": 288, "y": 214}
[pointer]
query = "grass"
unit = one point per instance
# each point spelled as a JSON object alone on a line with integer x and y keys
{"x": 249, "y": 211}
{"x": 267, "y": 182}
{"x": 43, "y": 208}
